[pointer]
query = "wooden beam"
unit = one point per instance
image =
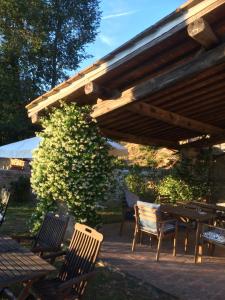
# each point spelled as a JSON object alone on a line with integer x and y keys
{"x": 147, "y": 88}
{"x": 205, "y": 142}
{"x": 35, "y": 118}
{"x": 156, "y": 34}
{"x": 98, "y": 91}
{"x": 143, "y": 140}
{"x": 201, "y": 31}
{"x": 175, "y": 119}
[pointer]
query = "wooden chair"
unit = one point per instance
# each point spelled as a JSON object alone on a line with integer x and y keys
{"x": 128, "y": 203}
{"x": 149, "y": 221}
{"x": 78, "y": 266}
{"x": 50, "y": 236}
{"x": 213, "y": 236}
{"x": 5, "y": 195}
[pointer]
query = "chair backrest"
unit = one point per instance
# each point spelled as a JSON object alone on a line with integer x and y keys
{"x": 147, "y": 216}
{"x": 131, "y": 198}
{"x": 5, "y": 195}
{"x": 52, "y": 231}
{"x": 81, "y": 255}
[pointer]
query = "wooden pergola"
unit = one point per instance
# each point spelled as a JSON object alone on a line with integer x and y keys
{"x": 166, "y": 86}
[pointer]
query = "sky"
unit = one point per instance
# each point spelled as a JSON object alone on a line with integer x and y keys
{"x": 122, "y": 20}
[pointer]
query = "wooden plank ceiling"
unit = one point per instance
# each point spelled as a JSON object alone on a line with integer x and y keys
{"x": 171, "y": 94}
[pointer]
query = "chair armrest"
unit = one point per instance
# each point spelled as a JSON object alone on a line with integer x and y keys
{"x": 76, "y": 280}
{"x": 167, "y": 221}
{"x": 20, "y": 238}
{"x": 54, "y": 255}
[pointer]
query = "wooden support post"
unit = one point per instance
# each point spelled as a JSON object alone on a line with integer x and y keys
{"x": 201, "y": 31}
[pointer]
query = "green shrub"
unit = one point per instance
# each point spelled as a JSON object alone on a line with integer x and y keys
{"x": 72, "y": 164}
{"x": 140, "y": 184}
{"x": 175, "y": 188}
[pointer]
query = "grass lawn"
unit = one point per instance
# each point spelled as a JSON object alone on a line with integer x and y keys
{"x": 109, "y": 283}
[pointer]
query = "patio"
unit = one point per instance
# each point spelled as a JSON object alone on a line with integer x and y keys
{"x": 178, "y": 276}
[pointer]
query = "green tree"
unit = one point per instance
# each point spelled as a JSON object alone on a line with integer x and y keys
{"x": 41, "y": 41}
{"x": 72, "y": 165}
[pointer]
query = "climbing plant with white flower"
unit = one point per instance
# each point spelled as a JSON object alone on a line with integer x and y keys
{"x": 71, "y": 165}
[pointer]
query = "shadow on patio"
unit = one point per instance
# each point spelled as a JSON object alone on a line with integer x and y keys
{"x": 178, "y": 275}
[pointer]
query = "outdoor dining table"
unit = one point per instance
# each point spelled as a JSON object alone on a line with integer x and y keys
{"x": 189, "y": 214}
{"x": 19, "y": 265}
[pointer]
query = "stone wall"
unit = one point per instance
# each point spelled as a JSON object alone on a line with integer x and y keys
{"x": 8, "y": 176}
{"x": 218, "y": 179}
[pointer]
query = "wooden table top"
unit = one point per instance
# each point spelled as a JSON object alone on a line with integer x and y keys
{"x": 212, "y": 206}
{"x": 18, "y": 264}
{"x": 191, "y": 214}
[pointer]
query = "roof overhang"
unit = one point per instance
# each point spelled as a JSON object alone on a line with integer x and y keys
{"x": 165, "y": 86}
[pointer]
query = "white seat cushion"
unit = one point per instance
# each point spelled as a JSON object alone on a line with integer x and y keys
{"x": 168, "y": 227}
{"x": 215, "y": 235}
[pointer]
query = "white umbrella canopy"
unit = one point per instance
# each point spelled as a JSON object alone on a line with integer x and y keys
{"x": 23, "y": 149}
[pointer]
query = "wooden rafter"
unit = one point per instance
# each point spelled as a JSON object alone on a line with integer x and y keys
{"x": 201, "y": 31}
{"x": 144, "y": 140}
{"x": 174, "y": 118}
{"x": 205, "y": 142}
{"x": 145, "y": 89}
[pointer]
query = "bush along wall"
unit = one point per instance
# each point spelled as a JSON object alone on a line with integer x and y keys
{"x": 71, "y": 165}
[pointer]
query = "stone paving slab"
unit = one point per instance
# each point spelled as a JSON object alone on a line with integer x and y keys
{"x": 178, "y": 275}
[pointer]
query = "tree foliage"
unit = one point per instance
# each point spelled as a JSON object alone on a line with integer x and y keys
{"x": 41, "y": 41}
{"x": 72, "y": 164}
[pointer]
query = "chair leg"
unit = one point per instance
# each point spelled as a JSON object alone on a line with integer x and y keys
{"x": 200, "y": 250}
{"x": 121, "y": 227}
{"x": 141, "y": 237}
{"x": 175, "y": 241}
{"x": 150, "y": 242}
{"x": 159, "y": 245}
{"x": 186, "y": 239}
{"x": 212, "y": 250}
{"x": 135, "y": 238}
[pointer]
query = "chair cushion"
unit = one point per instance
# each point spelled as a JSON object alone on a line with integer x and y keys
{"x": 131, "y": 198}
{"x": 149, "y": 224}
{"x": 151, "y": 205}
{"x": 166, "y": 228}
{"x": 215, "y": 235}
